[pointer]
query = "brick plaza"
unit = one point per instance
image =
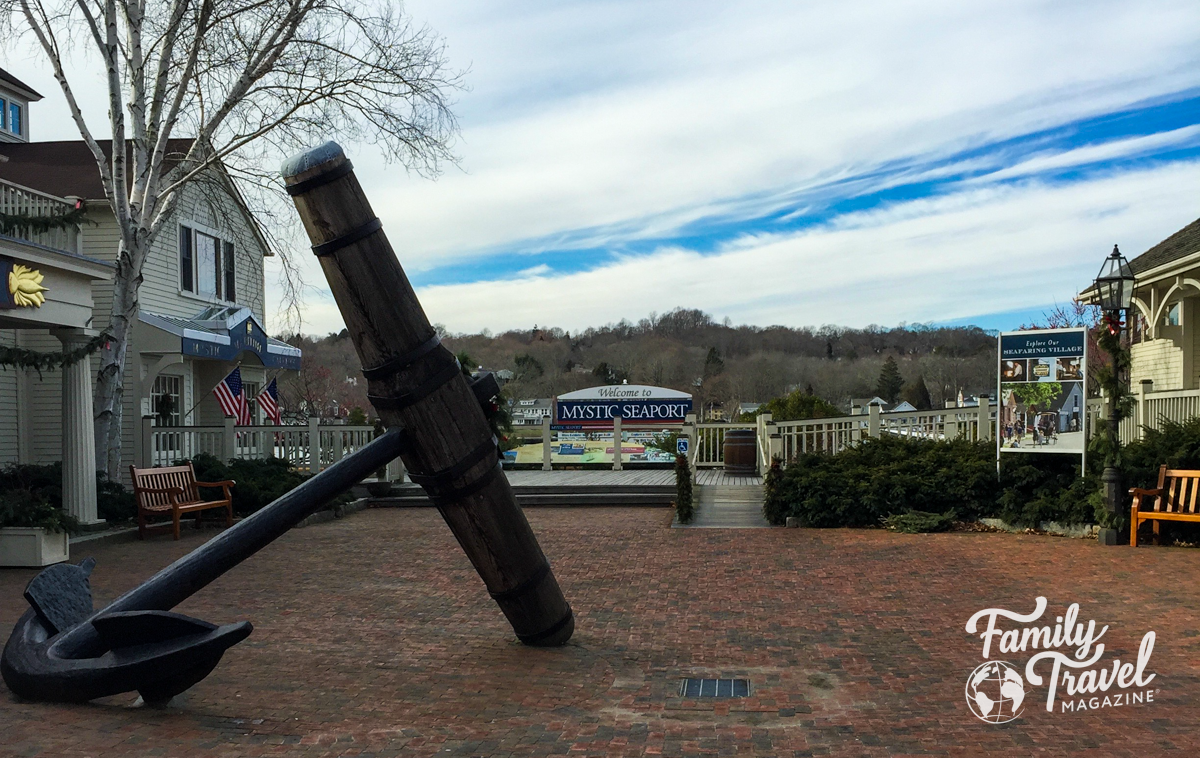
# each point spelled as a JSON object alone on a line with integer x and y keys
{"x": 375, "y": 637}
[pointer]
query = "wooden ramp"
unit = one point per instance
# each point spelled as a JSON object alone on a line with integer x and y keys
{"x": 725, "y": 506}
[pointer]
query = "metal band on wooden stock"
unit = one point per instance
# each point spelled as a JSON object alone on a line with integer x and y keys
{"x": 426, "y": 388}
{"x": 349, "y": 238}
{"x": 533, "y": 639}
{"x": 524, "y": 586}
{"x": 396, "y": 365}
{"x": 439, "y": 479}
{"x": 299, "y": 188}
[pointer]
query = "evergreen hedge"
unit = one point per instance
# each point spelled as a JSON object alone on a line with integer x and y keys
{"x": 888, "y": 477}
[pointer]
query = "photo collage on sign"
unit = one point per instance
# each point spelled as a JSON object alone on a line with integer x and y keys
{"x": 1042, "y": 391}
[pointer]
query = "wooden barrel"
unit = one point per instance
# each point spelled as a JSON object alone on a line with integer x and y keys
{"x": 741, "y": 452}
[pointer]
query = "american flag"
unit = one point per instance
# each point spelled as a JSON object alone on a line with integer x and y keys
{"x": 268, "y": 400}
{"x": 232, "y": 397}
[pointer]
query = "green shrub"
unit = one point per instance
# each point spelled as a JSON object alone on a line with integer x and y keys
{"x": 685, "y": 509}
{"x": 798, "y": 405}
{"x": 259, "y": 481}
{"x": 27, "y": 507}
{"x": 920, "y": 522}
{"x": 114, "y": 503}
{"x": 883, "y": 477}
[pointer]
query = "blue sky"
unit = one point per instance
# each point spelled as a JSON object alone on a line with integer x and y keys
{"x": 791, "y": 163}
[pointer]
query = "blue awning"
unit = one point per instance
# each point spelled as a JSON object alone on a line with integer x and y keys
{"x": 223, "y": 333}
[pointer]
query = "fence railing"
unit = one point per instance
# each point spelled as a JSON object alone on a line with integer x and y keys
{"x": 1150, "y": 410}
{"x": 18, "y": 200}
{"x": 312, "y": 447}
{"x": 790, "y": 439}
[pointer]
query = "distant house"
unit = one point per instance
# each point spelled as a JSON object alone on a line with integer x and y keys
{"x": 861, "y": 405}
{"x": 202, "y": 301}
{"x": 748, "y": 409}
{"x": 530, "y": 412}
{"x": 1164, "y": 324}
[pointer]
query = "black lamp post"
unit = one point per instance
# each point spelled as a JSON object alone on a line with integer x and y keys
{"x": 1114, "y": 285}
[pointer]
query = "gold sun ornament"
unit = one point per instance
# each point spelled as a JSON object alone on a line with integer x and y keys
{"x": 25, "y": 286}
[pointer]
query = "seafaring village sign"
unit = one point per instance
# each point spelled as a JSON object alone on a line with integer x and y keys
{"x": 634, "y": 403}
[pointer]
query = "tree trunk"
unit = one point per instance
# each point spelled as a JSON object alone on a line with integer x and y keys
{"x": 110, "y": 381}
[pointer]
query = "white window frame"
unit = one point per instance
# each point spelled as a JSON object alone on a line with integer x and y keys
{"x": 223, "y": 243}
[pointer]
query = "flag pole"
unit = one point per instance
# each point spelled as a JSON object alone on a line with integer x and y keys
{"x": 209, "y": 392}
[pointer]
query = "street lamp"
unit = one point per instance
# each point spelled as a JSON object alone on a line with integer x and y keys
{"x": 1114, "y": 285}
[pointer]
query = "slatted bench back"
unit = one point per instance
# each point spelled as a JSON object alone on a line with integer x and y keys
{"x": 1181, "y": 491}
{"x": 183, "y": 477}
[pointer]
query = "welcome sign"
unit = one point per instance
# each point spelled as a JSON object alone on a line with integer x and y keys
{"x": 634, "y": 403}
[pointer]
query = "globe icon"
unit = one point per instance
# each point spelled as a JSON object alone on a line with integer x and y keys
{"x": 995, "y": 692}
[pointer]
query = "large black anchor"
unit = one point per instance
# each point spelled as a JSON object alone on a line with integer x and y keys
{"x": 61, "y": 650}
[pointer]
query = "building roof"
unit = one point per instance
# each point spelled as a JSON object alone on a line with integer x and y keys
{"x": 67, "y": 168}
{"x": 16, "y": 84}
{"x": 1180, "y": 244}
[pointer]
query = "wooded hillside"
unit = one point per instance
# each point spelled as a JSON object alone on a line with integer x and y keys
{"x": 689, "y": 351}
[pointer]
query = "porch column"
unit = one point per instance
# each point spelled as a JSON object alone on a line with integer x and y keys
{"x": 78, "y": 431}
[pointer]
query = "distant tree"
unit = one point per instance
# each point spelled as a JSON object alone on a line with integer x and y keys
{"x": 357, "y": 417}
{"x": 466, "y": 362}
{"x": 799, "y": 405}
{"x": 917, "y": 394}
{"x": 890, "y": 382}
{"x": 528, "y": 367}
{"x": 713, "y": 364}
{"x": 608, "y": 374}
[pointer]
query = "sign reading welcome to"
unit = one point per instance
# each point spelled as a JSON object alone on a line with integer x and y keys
{"x": 634, "y": 403}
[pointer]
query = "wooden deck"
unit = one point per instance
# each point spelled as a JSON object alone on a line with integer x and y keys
{"x": 629, "y": 478}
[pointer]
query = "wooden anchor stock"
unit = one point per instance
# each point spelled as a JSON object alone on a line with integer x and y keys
{"x": 416, "y": 383}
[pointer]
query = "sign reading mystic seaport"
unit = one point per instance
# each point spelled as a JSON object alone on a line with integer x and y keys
{"x": 1043, "y": 391}
{"x": 636, "y": 404}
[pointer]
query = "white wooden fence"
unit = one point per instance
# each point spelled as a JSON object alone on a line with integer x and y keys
{"x": 1150, "y": 410}
{"x": 311, "y": 448}
{"x": 15, "y": 199}
{"x": 789, "y": 439}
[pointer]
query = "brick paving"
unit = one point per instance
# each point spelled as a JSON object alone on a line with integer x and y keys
{"x": 374, "y": 637}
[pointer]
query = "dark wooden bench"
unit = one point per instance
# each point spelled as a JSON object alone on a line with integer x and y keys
{"x": 1174, "y": 500}
{"x": 174, "y": 491}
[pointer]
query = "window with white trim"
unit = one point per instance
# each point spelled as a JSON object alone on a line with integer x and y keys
{"x": 207, "y": 266}
{"x": 165, "y": 400}
{"x": 1173, "y": 315}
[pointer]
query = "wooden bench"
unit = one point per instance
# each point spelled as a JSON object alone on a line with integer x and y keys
{"x": 1174, "y": 500}
{"x": 174, "y": 490}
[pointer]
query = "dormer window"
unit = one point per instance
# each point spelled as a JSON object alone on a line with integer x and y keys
{"x": 206, "y": 265}
{"x": 3, "y": 114}
{"x": 14, "y": 118}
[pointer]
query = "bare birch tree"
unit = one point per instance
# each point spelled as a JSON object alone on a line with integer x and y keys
{"x": 241, "y": 81}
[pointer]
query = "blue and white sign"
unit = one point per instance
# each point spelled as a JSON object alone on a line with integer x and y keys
{"x": 681, "y": 445}
{"x": 636, "y": 404}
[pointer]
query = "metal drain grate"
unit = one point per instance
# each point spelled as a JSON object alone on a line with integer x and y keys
{"x": 714, "y": 688}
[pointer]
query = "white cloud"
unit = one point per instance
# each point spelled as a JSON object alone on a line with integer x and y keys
{"x": 644, "y": 116}
{"x": 978, "y": 251}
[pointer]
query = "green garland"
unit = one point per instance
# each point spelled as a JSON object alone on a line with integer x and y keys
{"x": 20, "y": 357}
{"x": 25, "y": 223}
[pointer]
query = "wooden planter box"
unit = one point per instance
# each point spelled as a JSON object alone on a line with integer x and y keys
{"x": 30, "y": 546}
